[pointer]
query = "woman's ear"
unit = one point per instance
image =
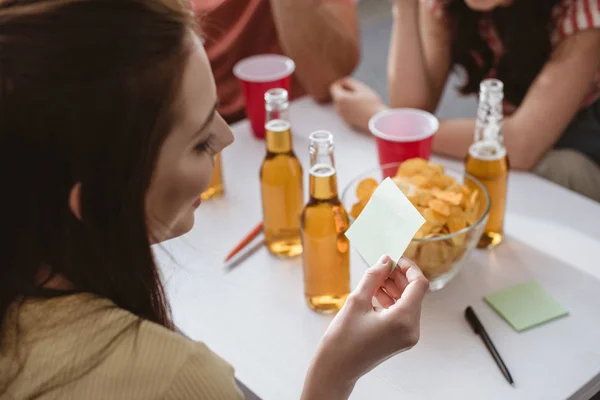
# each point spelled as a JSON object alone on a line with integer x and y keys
{"x": 75, "y": 200}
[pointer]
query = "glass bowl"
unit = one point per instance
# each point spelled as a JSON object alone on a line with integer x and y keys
{"x": 440, "y": 257}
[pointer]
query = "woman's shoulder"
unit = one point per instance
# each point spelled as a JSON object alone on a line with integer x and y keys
{"x": 188, "y": 369}
{"x": 92, "y": 344}
{"x": 158, "y": 360}
{"x": 171, "y": 350}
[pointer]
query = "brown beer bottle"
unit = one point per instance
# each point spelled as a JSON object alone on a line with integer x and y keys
{"x": 324, "y": 222}
{"x": 487, "y": 159}
{"x": 281, "y": 180}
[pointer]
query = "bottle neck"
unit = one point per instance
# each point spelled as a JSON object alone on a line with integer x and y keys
{"x": 278, "y": 137}
{"x": 322, "y": 158}
{"x": 490, "y": 117}
{"x": 323, "y": 182}
{"x": 275, "y": 111}
{"x": 488, "y": 141}
{"x": 322, "y": 175}
{"x": 277, "y": 105}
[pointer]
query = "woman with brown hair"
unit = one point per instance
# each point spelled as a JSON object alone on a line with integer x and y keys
{"x": 108, "y": 132}
{"x": 547, "y": 54}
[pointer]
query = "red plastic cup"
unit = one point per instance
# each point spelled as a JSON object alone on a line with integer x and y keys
{"x": 401, "y": 134}
{"x": 258, "y": 74}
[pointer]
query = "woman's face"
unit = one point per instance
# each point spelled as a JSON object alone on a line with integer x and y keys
{"x": 186, "y": 160}
{"x": 487, "y": 5}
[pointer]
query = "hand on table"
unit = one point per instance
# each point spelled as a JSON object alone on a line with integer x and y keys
{"x": 355, "y": 102}
{"x": 360, "y": 338}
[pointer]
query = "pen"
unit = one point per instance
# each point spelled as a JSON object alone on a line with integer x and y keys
{"x": 480, "y": 330}
{"x": 245, "y": 241}
{"x": 243, "y": 256}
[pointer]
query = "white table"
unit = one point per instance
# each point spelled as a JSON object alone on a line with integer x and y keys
{"x": 255, "y": 317}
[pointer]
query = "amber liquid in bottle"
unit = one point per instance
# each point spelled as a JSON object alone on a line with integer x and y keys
{"x": 492, "y": 172}
{"x": 282, "y": 192}
{"x": 326, "y": 257}
{"x": 216, "y": 187}
{"x": 488, "y": 162}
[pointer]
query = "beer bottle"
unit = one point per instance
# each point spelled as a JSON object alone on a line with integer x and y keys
{"x": 326, "y": 258}
{"x": 281, "y": 180}
{"x": 487, "y": 159}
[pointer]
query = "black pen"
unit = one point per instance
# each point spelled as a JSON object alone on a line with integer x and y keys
{"x": 480, "y": 330}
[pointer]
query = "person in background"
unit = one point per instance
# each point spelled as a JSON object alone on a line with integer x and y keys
{"x": 547, "y": 53}
{"x": 108, "y": 132}
{"x": 321, "y": 36}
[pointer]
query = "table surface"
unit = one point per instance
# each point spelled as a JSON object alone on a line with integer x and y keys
{"x": 254, "y": 315}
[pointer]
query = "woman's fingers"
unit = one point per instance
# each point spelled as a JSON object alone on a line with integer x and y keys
{"x": 384, "y": 299}
{"x": 373, "y": 279}
{"x": 399, "y": 279}
{"x": 417, "y": 286}
{"x": 393, "y": 289}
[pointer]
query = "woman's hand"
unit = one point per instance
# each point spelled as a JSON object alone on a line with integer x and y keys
{"x": 360, "y": 338}
{"x": 356, "y": 102}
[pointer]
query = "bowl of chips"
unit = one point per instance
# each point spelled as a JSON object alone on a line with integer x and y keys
{"x": 455, "y": 206}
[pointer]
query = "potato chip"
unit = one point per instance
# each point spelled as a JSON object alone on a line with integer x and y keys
{"x": 449, "y": 197}
{"x": 434, "y": 217}
{"x": 466, "y": 191}
{"x": 455, "y": 187}
{"x": 411, "y": 251}
{"x": 434, "y": 258}
{"x": 429, "y": 173}
{"x": 424, "y": 230}
{"x": 433, "y": 254}
{"x": 473, "y": 198}
{"x": 414, "y": 199}
{"x": 404, "y": 185}
{"x": 366, "y": 188}
{"x": 357, "y": 209}
{"x": 439, "y": 168}
{"x": 420, "y": 181}
{"x": 412, "y": 166}
{"x": 457, "y": 211}
{"x": 458, "y": 240}
{"x": 423, "y": 197}
{"x": 473, "y": 215}
{"x": 456, "y": 223}
{"x": 420, "y": 209}
{"x": 433, "y": 235}
{"x": 440, "y": 230}
{"x": 440, "y": 207}
{"x": 443, "y": 181}
{"x": 464, "y": 202}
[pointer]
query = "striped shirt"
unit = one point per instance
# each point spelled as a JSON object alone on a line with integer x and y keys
{"x": 568, "y": 17}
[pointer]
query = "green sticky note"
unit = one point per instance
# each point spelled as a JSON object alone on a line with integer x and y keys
{"x": 525, "y": 305}
{"x": 386, "y": 225}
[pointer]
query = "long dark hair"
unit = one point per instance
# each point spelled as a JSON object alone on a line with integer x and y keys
{"x": 86, "y": 94}
{"x": 525, "y": 30}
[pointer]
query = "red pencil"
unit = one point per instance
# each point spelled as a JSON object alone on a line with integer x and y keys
{"x": 249, "y": 237}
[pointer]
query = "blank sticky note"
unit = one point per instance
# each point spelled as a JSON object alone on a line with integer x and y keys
{"x": 386, "y": 225}
{"x": 525, "y": 305}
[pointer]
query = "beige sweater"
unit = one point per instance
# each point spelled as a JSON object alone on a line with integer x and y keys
{"x": 83, "y": 347}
